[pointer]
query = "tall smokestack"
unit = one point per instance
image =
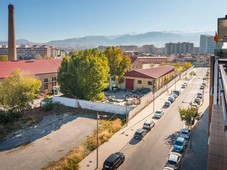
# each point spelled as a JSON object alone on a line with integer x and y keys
{"x": 12, "y": 52}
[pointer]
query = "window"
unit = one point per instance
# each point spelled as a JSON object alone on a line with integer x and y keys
{"x": 149, "y": 83}
{"x": 45, "y": 84}
{"x": 139, "y": 82}
{"x": 54, "y": 81}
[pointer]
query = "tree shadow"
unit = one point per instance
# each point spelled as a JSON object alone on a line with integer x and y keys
{"x": 171, "y": 138}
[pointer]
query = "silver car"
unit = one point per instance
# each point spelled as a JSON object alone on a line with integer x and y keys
{"x": 158, "y": 114}
{"x": 174, "y": 160}
{"x": 185, "y": 133}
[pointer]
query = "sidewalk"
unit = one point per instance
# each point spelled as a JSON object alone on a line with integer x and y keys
{"x": 122, "y": 137}
{"x": 195, "y": 157}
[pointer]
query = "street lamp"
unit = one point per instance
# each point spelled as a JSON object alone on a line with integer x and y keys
{"x": 97, "y": 142}
{"x": 97, "y": 138}
{"x": 154, "y": 86}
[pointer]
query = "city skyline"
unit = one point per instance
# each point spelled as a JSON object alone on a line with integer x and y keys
{"x": 43, "y": 21}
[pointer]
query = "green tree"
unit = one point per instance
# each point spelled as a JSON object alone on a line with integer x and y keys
{"x": 187, "y": 65}
{"x": 18, "y": 91}
{"x": 188, "y": 114}
{"x": 118, "y": 63}
{"x": 84, "y": 75}
{"x": 3, "y": 57}
{"x": 192, "y": 73}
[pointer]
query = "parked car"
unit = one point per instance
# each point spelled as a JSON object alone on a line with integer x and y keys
{"x": 200, "y": 95}
{"x": 140, "y": 133}
{"x": 185, "y": 133}
{"x": 171, "y": 99}
{"x": 148, "y": 124}
{"x": 167, "y": 168}
{"x": 174, "y": 95}
{"x": 114, "y": 161}
{"x": 158, "y": 114}
{"x": 198, "y": 101}
{"x": 195, "y": 105}
{"x": 184, "y": 85}
{"x": 174, "y": 160}
{"x": 179, "y": 145}
{"x": 166, "y": 104}
{"x": 177, "y": 92}
{"x": 202, "y": 87}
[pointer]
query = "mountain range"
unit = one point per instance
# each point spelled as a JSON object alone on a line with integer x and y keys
{"x": 156, "y": 38}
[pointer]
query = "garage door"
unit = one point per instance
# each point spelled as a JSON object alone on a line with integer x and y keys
{"x": 130, "y": 84}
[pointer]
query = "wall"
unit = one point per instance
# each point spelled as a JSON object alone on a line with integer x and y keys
{"x": 97, "y": 106}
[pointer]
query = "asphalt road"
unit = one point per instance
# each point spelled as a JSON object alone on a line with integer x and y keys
{"x": 152, "y": 151}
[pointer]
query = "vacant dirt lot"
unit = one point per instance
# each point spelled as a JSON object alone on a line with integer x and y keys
{"x": 51, "y": 147}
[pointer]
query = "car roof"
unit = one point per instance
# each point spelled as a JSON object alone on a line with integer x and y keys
{"x": 181, "y": 139}
{"x": 185, "y": 130}
{"x": 148, "y": 121}
{"x": 140, "y": 130}
{"x": 173, "y": 156}
{"x": 112, "y": 157}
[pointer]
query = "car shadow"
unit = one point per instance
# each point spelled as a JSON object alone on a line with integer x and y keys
{"x": 134, "y": 141}
{"x": 171, "y": 138}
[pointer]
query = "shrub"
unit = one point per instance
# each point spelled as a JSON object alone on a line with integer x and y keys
{"x": 8, "y": 116}
{"x": 48, "y": 106}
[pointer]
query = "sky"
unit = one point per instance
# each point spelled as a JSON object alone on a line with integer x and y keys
{"x": 46, "y": 20}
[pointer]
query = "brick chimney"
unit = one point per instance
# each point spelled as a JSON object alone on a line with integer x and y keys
{"x": 12, "y": 52}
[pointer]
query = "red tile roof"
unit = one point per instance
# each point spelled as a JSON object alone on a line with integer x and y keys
{"x": 32, "y": 67}
{"x": 154, "y": 72}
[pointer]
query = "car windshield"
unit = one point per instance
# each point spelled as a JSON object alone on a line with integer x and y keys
{"x": 158, "y": 112}
{"x": 179, "y": 143}
{"x": 184, "y": 132}
{"x": 138, "y": 133}
{"x": 171, "y": 162}
{"x": 107, "y": 163}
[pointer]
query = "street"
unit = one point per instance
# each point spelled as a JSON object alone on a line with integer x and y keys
{"x": 152, "y": 151}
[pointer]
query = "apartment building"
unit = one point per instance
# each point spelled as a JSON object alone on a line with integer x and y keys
{"x": 35, "y": 51}
{"x": 207, "y": 44}
{"x": 179, "y": 48}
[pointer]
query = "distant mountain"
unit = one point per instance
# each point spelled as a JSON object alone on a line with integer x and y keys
{"x": 156, "y": 38}
{"x": 19, "y": 42}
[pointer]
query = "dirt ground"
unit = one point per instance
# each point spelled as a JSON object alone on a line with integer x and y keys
{"x": 28, "y": 118}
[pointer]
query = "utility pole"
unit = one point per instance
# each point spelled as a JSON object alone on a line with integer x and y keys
{"x": 97, "y": 142}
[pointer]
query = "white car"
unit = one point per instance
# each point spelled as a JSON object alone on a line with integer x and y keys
{"x": 174, "y": 160}
{"x": 158, "y": 114}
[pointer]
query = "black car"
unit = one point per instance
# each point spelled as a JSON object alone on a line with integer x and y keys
{"x": 140, "y": 133}
{"x": 114, "y": 161}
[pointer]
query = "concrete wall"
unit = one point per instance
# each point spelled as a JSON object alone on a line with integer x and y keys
{"x": 96, "y": 106}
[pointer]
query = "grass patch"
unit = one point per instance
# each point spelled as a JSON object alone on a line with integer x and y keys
{"x": 72, "y": 159}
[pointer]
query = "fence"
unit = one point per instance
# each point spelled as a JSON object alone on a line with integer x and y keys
{"x": 97, "y": 106}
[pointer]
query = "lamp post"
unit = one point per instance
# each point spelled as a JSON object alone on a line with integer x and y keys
{"x": 153, "y": 95}
{"x": 97, "y": 142}
{"x": 126, "y": 113}
{"x": 97, "y": 138}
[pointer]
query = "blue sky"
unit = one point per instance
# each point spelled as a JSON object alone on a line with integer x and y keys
{"x": 45, "y": 20}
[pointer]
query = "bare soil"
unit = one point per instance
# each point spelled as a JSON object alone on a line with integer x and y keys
{"x": 28, "y": 118}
